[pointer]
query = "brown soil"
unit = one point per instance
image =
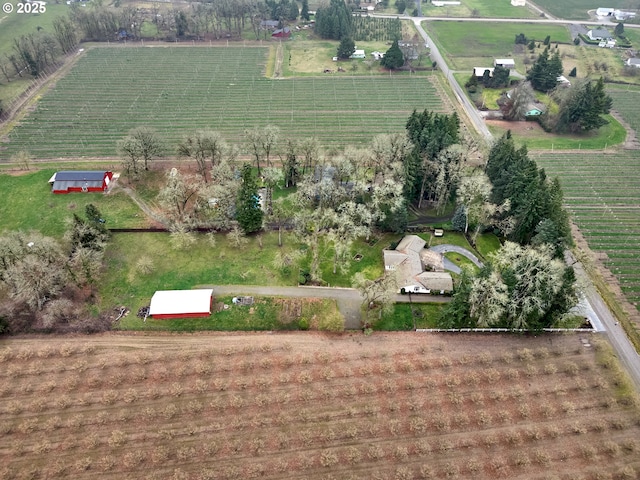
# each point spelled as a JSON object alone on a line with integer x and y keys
{"x": 387, "y": 406}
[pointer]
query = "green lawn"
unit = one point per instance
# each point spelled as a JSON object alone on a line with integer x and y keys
{"x": 402, "y": 318}
{"x": 459, "y": 41}
{"x": 27, "y": 203}
{"x": 204, "y": 264}
{"x": 577, "y": 9}
{"x": 265, "y": 314}
{"x": 478, "y": 8}
{"x": 537, "y": 139}
{"x": 487, "y": 243}
{"x": 460, "y": 260}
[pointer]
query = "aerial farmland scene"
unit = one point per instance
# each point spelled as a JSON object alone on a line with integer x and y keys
{"x": 320, "y": 239}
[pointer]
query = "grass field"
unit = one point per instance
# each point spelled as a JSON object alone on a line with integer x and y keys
{"x": 602, "y": 192}
{"x": 477, "y": 8}
{"x": 388, "y": 406}
{"x": 577, "y": 9}
{"x": 126, "y": 283}
{"x": 467, "y": 44}
{"x": 29, "y": 204}
{"x": 178, "y": 90}
{"x": 531, "y": 134}
{"x": 626, "y": 100}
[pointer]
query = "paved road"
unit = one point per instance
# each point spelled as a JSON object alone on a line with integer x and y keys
{"x": 349, "y": 299}
{"x": 594, "y": 306}
{"x": 469, "y": 108}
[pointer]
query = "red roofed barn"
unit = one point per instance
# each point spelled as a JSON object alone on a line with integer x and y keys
{"x": 80, "y": 181}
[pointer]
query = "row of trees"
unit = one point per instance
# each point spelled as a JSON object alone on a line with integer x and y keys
{"x": 525, "y": 284}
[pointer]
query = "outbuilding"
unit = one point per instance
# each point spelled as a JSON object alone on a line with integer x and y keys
{"x": 509, "y": 63}
{"x": 181, "y": 303}
{"x": 281, "y": 33}
{"x": 80, "y": 181}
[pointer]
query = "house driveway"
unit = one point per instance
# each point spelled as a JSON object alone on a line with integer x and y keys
{"x": 448, "y": 264}
{"x": 349, "y": 300}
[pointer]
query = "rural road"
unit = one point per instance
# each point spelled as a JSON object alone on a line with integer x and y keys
{"x": 605, "y": 321}
{"x": 471, "y": 111}
{"x": 349, "y": 299}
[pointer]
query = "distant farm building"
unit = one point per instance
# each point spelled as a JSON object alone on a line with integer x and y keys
{"x": 478, "y": 72}
{"x": 619, "y": 15}
{"x": 358, "y": 54}
{"x": 377, "y": 55}
{"x": 281, "y": 33}
{"x": 181, "y": 303}
{"x": 80, "y": 181}
{"x": 633, "y": 62}
{"x": 269, "y": 24}
{"x": 504, "y": 63}
{"x": 564, "y": 81}
{"x": 519, "y": 3}
{"x": 599, "y": 34}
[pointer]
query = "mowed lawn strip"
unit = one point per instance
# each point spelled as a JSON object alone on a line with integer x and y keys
{"x": 310, "y": 406}
{"x": 179, "y": 90}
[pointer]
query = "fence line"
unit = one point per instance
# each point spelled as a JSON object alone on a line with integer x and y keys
{"x": 501, "y": 330}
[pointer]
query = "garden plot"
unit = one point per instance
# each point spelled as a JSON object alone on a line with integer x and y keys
{"x": 179, "y": 90}
{"x": 389, "y": 406}
{"x": 602, "y": 192}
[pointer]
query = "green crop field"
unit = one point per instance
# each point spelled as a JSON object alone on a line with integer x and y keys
{"x": 602, "y": 192}
{"x": 467, "y": 44}
{"x": 179, "y": 90}
{"x": 577, "y": 9}
{"x": 478, "y": 8}
{"x": 626, "y": 100}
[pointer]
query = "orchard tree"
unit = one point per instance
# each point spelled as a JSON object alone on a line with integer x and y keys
{"x": 261, "y": 142}
{"x": 179, "y": 195}
{"x": 32, "y": 267}
{"x": 203, "y": 146}
{"x": 248, "y": 212}
{"x": 393, "y": 58}
{"x": 377, "y": 295}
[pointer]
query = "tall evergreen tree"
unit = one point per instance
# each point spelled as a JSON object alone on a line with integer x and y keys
{"x": 545, "y": 71}
{"x": 346, "y": 48}
{"x": 248, "y": 212}
{"x": 334, "y": 21}
{"x": 304, "y": 11}
{"x": 393, "y": 58}
{"x": 582, "y": 107}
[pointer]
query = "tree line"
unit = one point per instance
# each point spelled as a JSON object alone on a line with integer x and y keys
{"x": 49, "y": 281}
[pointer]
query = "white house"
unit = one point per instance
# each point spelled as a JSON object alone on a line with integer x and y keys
{"x": 519, "y": 3}
{"x": 599, "y": 34}
{"x": 504, "y": 63}
{"x": 633, "y": 62}
{"x": 358, "y": 54}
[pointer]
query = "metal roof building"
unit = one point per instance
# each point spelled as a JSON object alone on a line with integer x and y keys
{"x": 181, "y": 303}
{"x": 80, "y": 181}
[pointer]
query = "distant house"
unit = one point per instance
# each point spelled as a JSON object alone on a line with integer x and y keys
{"x": 504, "y": 63}
{"x": 519, "y": 3}
{"x": 604, "y": 12}
{"x": 436, "y": 281}
{"x": 599, "y": 34}
{"x": 358, "y": 54}
{"x": 281, "y": 33}
{"x": 564, "y": 81}
{"x": 377, "y": 55}
{"x": 269, "y": 24}
{"x": 633, "y": 62}
{"x": 478, "y": 72}
{"x": 181, "y": 303}
{"x": 80, "y": 181}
